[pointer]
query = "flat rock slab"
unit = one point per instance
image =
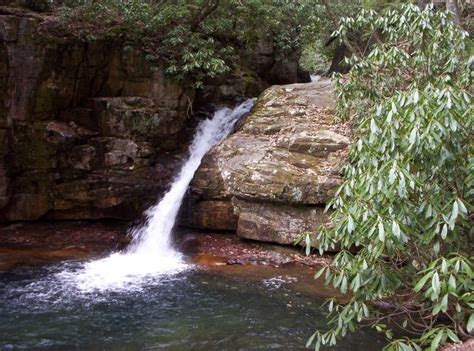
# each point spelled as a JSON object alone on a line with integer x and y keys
{"x": 43, "y": 242}
{"x": 211, "y": 249}
{"x": 277, "y": 223}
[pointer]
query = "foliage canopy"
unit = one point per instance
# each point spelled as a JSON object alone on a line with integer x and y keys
{"x": 403, "y": 216}
{"x": 198, "y": 39}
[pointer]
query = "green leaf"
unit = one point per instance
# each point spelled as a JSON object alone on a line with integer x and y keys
{"x": 344, "y": 285}
{"x": 350, "y": 224}
{"x": 436, "y": 247}
{"x": 444, "y": 231}
{"x": 373, "y": 127}
{"x": 455, "y": 211}
{"x": 436, "y": 340}
{"x": 396, "y": 229}
{"x": 413, "y": 136}
{"x": 419, "y": 285}
{"x": 453, "y": 337}
{"x": 391, "y": 176}
{"x": 319, "y": 273}
{"x": 356, "y": 283}
{"x": 311, "y": 339}
{"x": 462, "y": 207}
{"x": 470, "y": 324}
{"x": 381, "y": 232}
{"x": 405, "y": 347}
{"x": 307, "y": 245}
{"x": 444, "y": 266}
{"x": 317, "y": 346}
{"x": 444, "y": 303}
{"x": 435, "y": 284}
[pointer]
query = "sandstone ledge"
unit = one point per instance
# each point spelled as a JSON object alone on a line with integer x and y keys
{"x": 278, "y": 170}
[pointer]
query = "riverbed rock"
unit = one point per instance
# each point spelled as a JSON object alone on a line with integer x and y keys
{"x": 87, "y": 129}
{"x": 279, "y": 170}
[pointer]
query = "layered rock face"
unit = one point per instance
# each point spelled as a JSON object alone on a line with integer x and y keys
{"x": 271, "y": 179}
{"x": 87, "y": 130}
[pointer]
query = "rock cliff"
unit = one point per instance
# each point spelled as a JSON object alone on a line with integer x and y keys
{"x": 87, "y": 129}
{"x": 271, "y": 179}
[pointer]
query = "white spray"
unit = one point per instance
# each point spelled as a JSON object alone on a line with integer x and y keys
{"x": 151, "y": 252}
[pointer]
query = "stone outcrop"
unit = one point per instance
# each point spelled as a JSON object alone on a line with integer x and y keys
{"x": 277, "y": 171}
{"x": 87, "y": 129}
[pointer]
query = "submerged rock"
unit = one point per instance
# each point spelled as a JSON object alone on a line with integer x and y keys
{"x": 33, "y": 243}
{"x": 278, "y": 170}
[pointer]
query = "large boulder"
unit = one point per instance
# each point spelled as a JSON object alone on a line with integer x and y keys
{"x": 278, "y": 170}
{"x": 87, "y": 129}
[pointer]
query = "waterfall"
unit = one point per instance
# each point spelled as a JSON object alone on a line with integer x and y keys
{"x": 151, "y": 252}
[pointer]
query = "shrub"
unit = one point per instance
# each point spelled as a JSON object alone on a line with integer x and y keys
{"x": 197, "y": 39}
{"x": 403, "y": 216}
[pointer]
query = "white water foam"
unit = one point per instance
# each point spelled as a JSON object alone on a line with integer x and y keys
{"x": 151, "y": 253}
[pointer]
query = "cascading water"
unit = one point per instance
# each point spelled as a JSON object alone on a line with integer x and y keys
{"x": 129, "y": 301}
{"x": 151, "y": 252}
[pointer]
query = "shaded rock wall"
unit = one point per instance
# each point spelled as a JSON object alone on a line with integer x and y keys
{"x": 90, "y": 130}
{"x": 87, "y": 130}
{"x": 271, "y": 180}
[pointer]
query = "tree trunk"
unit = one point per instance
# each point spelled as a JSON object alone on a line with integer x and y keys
{"x": 337, "y": 63}
{"x": 453, "y": 7}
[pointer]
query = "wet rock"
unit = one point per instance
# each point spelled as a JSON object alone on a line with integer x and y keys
{"x": 137, "y": 118}
{"x": 41, "y": 242}
{"x": 466, "y": 345}
{"x": 11, "y": 258}
{"x": 207, "y": 182}
{"x": 275, "y": 65}
{"x": 209, "y": 260}
{"x": 230, "y": 249}
{"x": 211, "y": 215}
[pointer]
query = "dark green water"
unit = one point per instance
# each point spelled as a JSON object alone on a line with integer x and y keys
{"x": 192, "y": 310}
